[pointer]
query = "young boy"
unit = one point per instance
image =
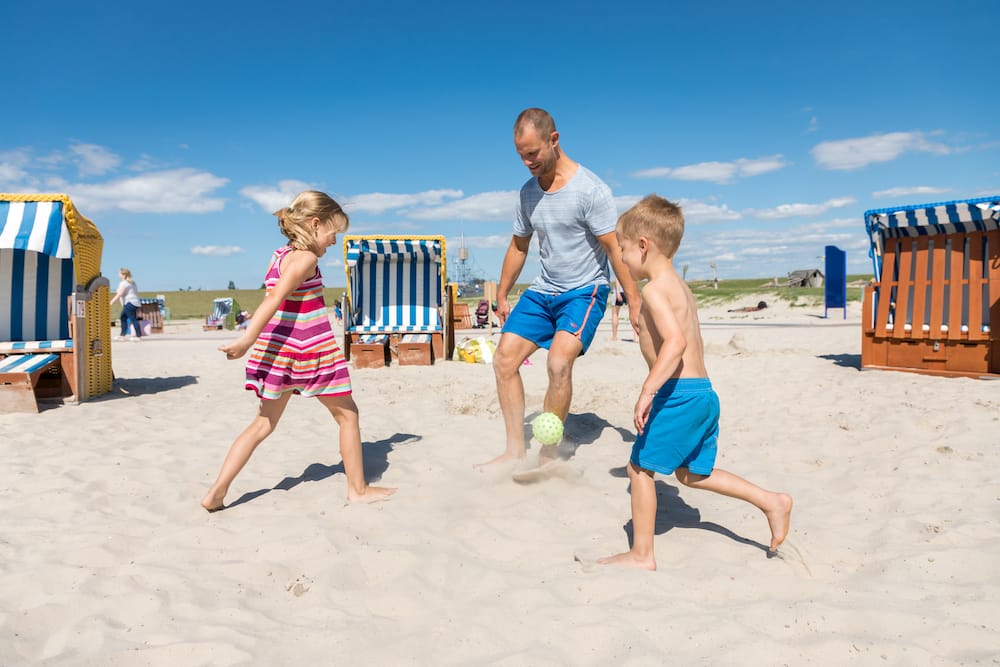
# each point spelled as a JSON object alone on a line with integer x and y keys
{"x": 677, "y": 414}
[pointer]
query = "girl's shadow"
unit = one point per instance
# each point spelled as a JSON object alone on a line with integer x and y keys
{"x": 672, "y": 512}
{"x": 376, "y": 461}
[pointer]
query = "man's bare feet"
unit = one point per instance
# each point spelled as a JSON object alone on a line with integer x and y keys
{"x": 550, "y": 469}
{"x": 630, "y": 559}
{"x": 503, "y": 458}
{"x": 213, "y": 501}
{"x": 371, "y": 494}
{"x": 779, "y": 517}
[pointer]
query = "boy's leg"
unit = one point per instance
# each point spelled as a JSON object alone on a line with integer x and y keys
{"x": 507, "y": 360}
{"x": 777, "y": 507}
{"x": 345, "y": 413}
{"x": 243, "y": 447}
{"x": 643, "y": 522}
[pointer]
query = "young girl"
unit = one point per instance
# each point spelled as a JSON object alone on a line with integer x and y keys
{"x": 294, "y": 351}
{"x": 128, "y": 294}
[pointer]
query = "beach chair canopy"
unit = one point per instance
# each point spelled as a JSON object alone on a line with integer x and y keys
{"x": 966, "y": 215}
{"x": 36, "y": 270}
{"x": 395, "y": 284}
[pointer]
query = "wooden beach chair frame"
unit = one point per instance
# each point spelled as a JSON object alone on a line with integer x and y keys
{"x": 53, "y": 302}
{"x": 934, "y": 306}
{"x": 398, "y": 303}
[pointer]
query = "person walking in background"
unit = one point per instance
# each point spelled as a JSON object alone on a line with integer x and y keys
{"x": 573, "y": 214}
{"x": 128, "y": 294}
{"x": 677, "y": 412}
{"x": 618, "y": 299}
{"x": 294, "y": 349}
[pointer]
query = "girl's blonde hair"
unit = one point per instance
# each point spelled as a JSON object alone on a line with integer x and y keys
{"x": 126, "y": 274}
{"x": 294, "y": 220}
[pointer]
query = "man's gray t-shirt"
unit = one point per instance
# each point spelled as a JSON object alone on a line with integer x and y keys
{"x": 566, "y": 223}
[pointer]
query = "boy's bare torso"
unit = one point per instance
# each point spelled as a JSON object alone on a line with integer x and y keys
{"x": 682, "y": 320}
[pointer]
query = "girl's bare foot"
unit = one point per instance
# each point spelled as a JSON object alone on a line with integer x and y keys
{"x": 630, "y": 559}
{"x": 213, "y": 500}
{"x": 371, "y": 494}
{"x": 779, "y": 517}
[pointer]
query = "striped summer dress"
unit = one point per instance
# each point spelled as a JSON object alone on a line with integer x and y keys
{"x": 297, "y": 351}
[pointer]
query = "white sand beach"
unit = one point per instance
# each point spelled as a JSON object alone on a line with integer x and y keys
{"x": 106, "y": 557}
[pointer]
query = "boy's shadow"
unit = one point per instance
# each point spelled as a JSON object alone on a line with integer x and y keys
{"x": 673, "y": 512}
{"x": 580, "y": 429}
{"x": 376, "y": 462}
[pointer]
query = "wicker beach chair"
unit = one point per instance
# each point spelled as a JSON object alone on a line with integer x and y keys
{"x": 55, "y": 327}
{"x": 223, "y": 315}
{"x": 398, "y": 303}
{"x": 934, "y": 305}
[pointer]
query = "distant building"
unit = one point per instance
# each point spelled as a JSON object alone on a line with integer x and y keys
{"x": 805, "y": 278}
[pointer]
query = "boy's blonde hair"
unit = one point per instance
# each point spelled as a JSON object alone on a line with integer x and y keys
{"x": 294, "y": 219}
{"x": 656, "y": 218}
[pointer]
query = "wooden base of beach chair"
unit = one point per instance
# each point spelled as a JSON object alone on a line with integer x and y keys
{"x": 26, "y": 378}
{"x": 415, "y": 350}
{"x": 370, "y": 353}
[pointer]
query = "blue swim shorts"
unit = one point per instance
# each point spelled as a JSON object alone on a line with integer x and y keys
{"x": 537, "y": 315}
{"x": 682, "y": 430}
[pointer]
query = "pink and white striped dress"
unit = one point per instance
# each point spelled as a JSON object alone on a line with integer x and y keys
{"x": 297, "y": 350}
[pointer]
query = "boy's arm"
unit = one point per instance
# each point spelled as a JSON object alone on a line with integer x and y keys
{"x": 660, "y": 316}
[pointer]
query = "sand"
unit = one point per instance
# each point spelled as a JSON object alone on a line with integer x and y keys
{"x": 106, "y": 557}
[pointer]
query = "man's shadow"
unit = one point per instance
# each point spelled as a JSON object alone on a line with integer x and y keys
{"x": 579, "y": 430}
{"x": 672, "y": 512}
{"x": 376, "y": 462}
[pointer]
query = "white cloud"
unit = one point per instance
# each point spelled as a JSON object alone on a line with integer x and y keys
{"x": 856, "y": 153}
{"x": 483, "y": 207}
{"x": 717, "y": 172}
{"x": 93, "y": 160}
{"x": 904, "y": 192}
{"x": 217, "y": 250}
{"x": 699, "y": 212}
{"x": 813, "y": 124}
{"x": 379, "y": 202}
{"x": 183, "y": 190}
{"x": 481, "y": 242}
{"x": 271, "y": 198}
{"x": 802, "y": 210}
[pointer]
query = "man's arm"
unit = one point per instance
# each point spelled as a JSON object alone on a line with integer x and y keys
{"x": 513, "y": 262}
{"x": 629, "y": 286}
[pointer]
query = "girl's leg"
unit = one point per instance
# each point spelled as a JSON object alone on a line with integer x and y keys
{"x": 262, "y": 426}
{"x": 345, "y": 413}
{"x": 777, "y": 507}
{"x": 643, "y": 522}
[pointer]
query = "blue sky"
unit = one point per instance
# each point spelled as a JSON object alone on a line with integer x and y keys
{"x": 179, "y": 127}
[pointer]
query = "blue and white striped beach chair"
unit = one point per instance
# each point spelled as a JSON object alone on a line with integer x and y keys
{"x": 53, "y": 303}
{"x": 934, "y": 306}
{"x": 223, "y": 315}
{"x": 397, "y": 302}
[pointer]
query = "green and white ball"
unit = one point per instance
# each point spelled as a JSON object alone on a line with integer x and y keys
{"x": 547, "y": 428}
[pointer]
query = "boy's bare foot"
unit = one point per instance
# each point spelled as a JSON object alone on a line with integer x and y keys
{"x": 779, "y": 516}
{"x": 213, "y": 501}
{"x": 630, "y": 559}
{"x": 371, "y": 494}
{"x": 547, "y": 470}
{"x": 503, "y": 458}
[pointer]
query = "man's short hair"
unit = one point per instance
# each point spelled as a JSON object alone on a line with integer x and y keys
{"x": 540, "y": 119}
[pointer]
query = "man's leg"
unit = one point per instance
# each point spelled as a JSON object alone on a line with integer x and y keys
{"x": 563, "y": 353}
{"x": 507, "y": 360}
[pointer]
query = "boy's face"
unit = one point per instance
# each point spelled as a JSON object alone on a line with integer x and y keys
{"x": 632, "y": 255}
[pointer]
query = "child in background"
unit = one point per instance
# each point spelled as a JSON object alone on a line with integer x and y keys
{"x": 294, "y": 350}
{"x": 677, "y": 413}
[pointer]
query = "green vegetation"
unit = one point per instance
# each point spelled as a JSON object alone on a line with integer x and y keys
{"x": 197, "y": 305}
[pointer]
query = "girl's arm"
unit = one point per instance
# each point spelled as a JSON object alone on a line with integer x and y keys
{"x": 296, "y": 267}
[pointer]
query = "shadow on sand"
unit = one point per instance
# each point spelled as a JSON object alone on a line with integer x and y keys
{"x": 844, "y": 360}
{"x": 581, "y": 429}
{"x": 376, "y": 457}
{"x": 672, "y": 512}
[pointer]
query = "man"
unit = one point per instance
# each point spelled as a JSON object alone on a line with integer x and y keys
{"x": 573, "y": 213}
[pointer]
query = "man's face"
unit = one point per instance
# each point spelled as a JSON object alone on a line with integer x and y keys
{"x": 538, "y": 154}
